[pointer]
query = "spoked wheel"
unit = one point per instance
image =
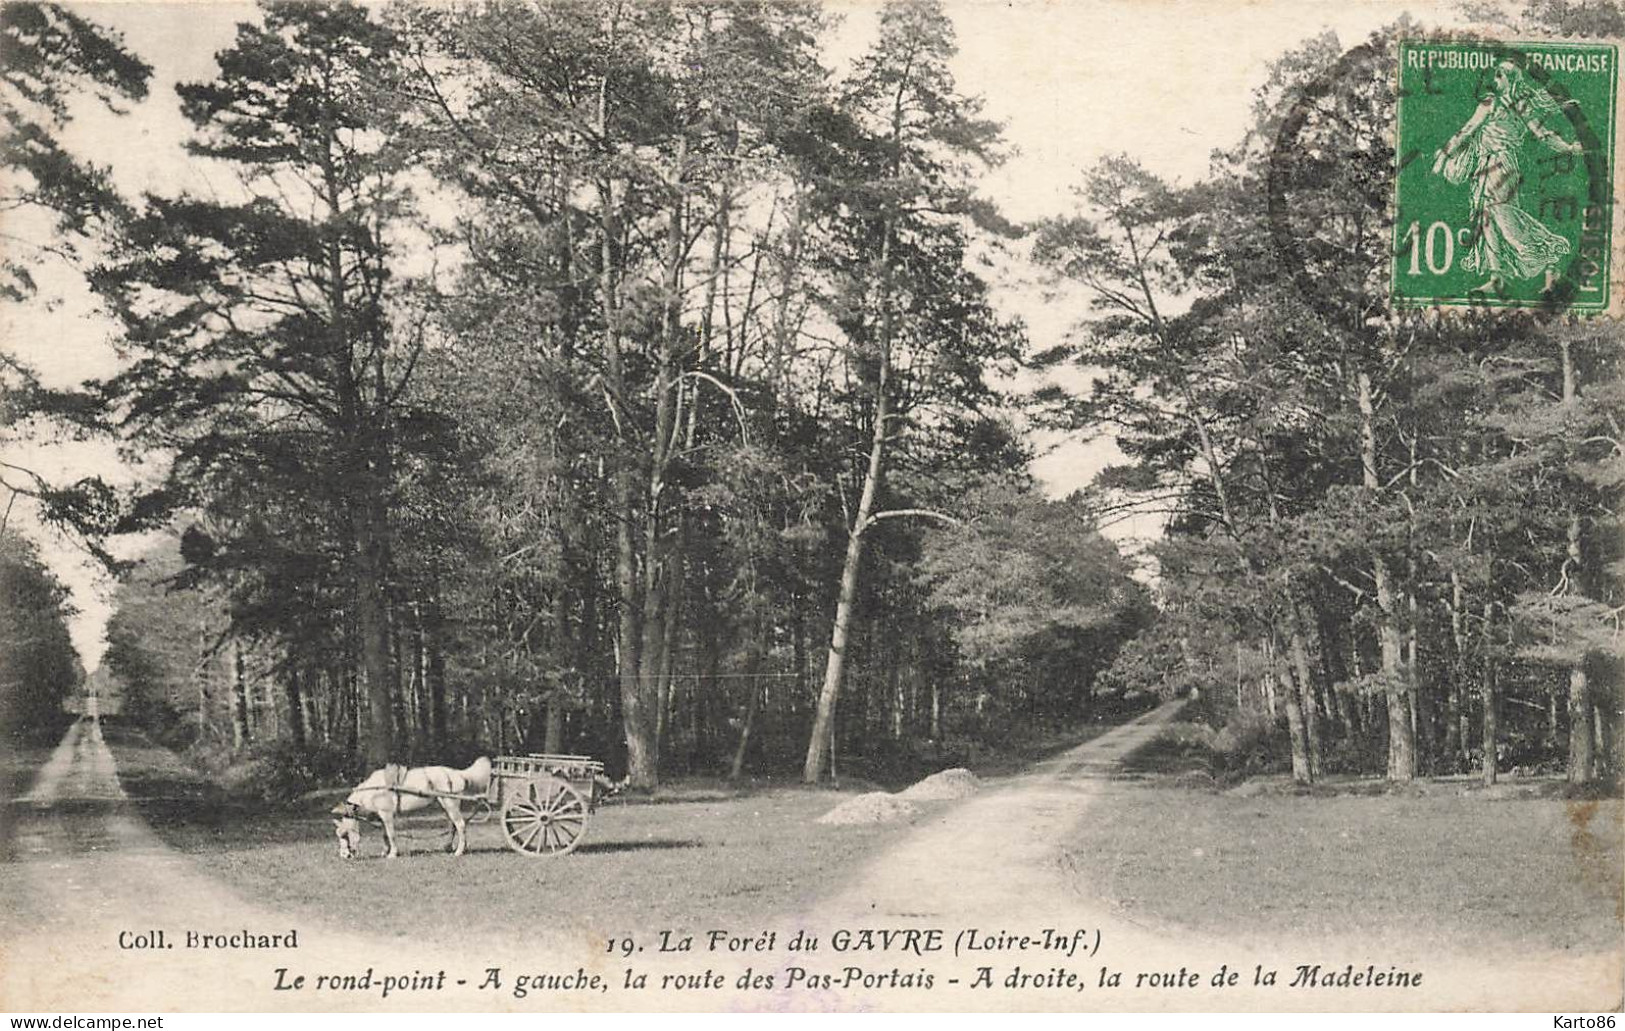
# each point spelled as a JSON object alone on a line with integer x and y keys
{"x": 544, "y": 818}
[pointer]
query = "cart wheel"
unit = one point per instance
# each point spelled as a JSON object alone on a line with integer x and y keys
{"x": 544, "y": 818}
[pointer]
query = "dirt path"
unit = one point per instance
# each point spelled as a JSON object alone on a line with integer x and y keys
{"x": 995, "y": 854}
{"x": 87, "y": 884}
{"x": 73, "y": 833}
{"x": 81, "y": 767}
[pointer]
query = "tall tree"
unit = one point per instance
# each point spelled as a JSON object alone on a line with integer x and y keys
{"x": 268, "y": 360}
{"x": 607, "y": 142}
{"x": 39, "y": 667}
{"x": 54, "y": 201}
{"x": 48, "y": 55}
{"x": 908, "y": 198}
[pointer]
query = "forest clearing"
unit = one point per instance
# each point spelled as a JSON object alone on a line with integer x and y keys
{"x": 1146, "y": 845}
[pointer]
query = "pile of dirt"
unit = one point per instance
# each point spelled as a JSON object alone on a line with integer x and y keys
{"x": 875, "y": 807}
{"x": 955, "y": 783}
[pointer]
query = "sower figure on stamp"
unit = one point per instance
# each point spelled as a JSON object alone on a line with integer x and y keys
{"x": 1507, "y": 240}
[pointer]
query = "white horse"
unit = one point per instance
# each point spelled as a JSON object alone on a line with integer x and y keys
{"x": 396, "y": 789}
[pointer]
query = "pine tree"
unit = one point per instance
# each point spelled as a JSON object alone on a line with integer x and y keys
{"x": 268, "y": 359}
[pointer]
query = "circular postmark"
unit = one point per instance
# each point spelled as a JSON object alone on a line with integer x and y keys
{"x": 1341, "y": 223}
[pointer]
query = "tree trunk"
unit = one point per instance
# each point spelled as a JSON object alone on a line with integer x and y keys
{"x": 752, "y": 705}
{"x": 668, "y": 657}
{"x": 1581, "y": 768}
{"x": 936, "y": 709}
{"x": 1491, "y": 702}
{"x": 635, "y": 704}
{"x": 435, "y": 675}
{"x": 375, "y": 648}
{"x": 1313, "y": 756}
{"x": 350, "y": 712}
{"x": 1270, "y": 681}
{"x": 1421, "y": 705}
{"x": 1580, "y": 714}
{"x": 662, "y": 562}
{"x": 894, "y": 676}
{"x": 709, "y": 695}
{"x": 652, "y": 656}
{"x": 1301, "y": 770}
{"x": 333, "y": 704}
{"x": 553, "y": 734}
{"x": 636, "y": 719}
{"x": 1456, "y": 712}
{"x": 1346, "y": 717}
{"x": 911, "y": 720}
{"x": 296, "y": 707}
{"x": 753, "y": 701}
{"x": 1401, "y": 741}
{"x": 364, "y": 454}
{"x": 418, "y": 682}
{"x": 312, "y": 710}
{"x": 1297, "y": 732}
{"x": 824, "y": 719}
{"x": 241, "y": 734}
{"x": 200, "y": 673}
{"x": 1306, "y": 747}
{"x": 798, "y": 647}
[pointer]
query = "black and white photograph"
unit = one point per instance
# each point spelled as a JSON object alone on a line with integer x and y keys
{"x": 782, "y": 506}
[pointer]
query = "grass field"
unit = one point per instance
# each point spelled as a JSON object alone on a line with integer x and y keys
{"x": 1441, "y": 870}
{"x": 19, "y": 762}
{"x": 697, "y": 857}
{"x": 700, "y": 854}
{"x": 1440, "y": 866}
{"x": 684, "y": 864}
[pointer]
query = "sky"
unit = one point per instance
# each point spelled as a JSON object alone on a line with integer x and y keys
{"x": 1165, "y": 81}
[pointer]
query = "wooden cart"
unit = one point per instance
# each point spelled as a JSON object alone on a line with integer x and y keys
{"x": 544, "y": 801}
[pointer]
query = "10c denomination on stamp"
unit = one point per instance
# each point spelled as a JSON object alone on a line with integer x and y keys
{"x": 1504, "y": 179}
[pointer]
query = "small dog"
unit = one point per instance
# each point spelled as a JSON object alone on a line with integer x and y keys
{"x": 396, "y": 789}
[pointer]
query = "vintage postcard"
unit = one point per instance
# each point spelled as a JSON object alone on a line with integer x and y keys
{"x": 870, "y": 505}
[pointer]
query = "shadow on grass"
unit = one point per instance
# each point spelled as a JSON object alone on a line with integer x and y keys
{"x": 1171, "y": 754}
{"x": 600, "y": 847}
{"x": 191, "y": 832}
{"x": 147, "y": 787}
{"x": 234, "y": 828}
{"x": 422, "y": 849}
{"x": 16, "y": 811}
{"x": 637, "y": 846}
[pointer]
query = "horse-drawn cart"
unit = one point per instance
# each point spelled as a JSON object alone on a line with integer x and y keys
{"x": 544, "y": 800}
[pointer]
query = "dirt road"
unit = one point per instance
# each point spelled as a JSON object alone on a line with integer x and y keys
{"x": 998, "y": 852}
{"x": 73, "y": 826}
{"x": 87, "y": 877}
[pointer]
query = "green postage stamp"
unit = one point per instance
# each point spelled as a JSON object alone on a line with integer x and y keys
{"x": 1504, "y": 184}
